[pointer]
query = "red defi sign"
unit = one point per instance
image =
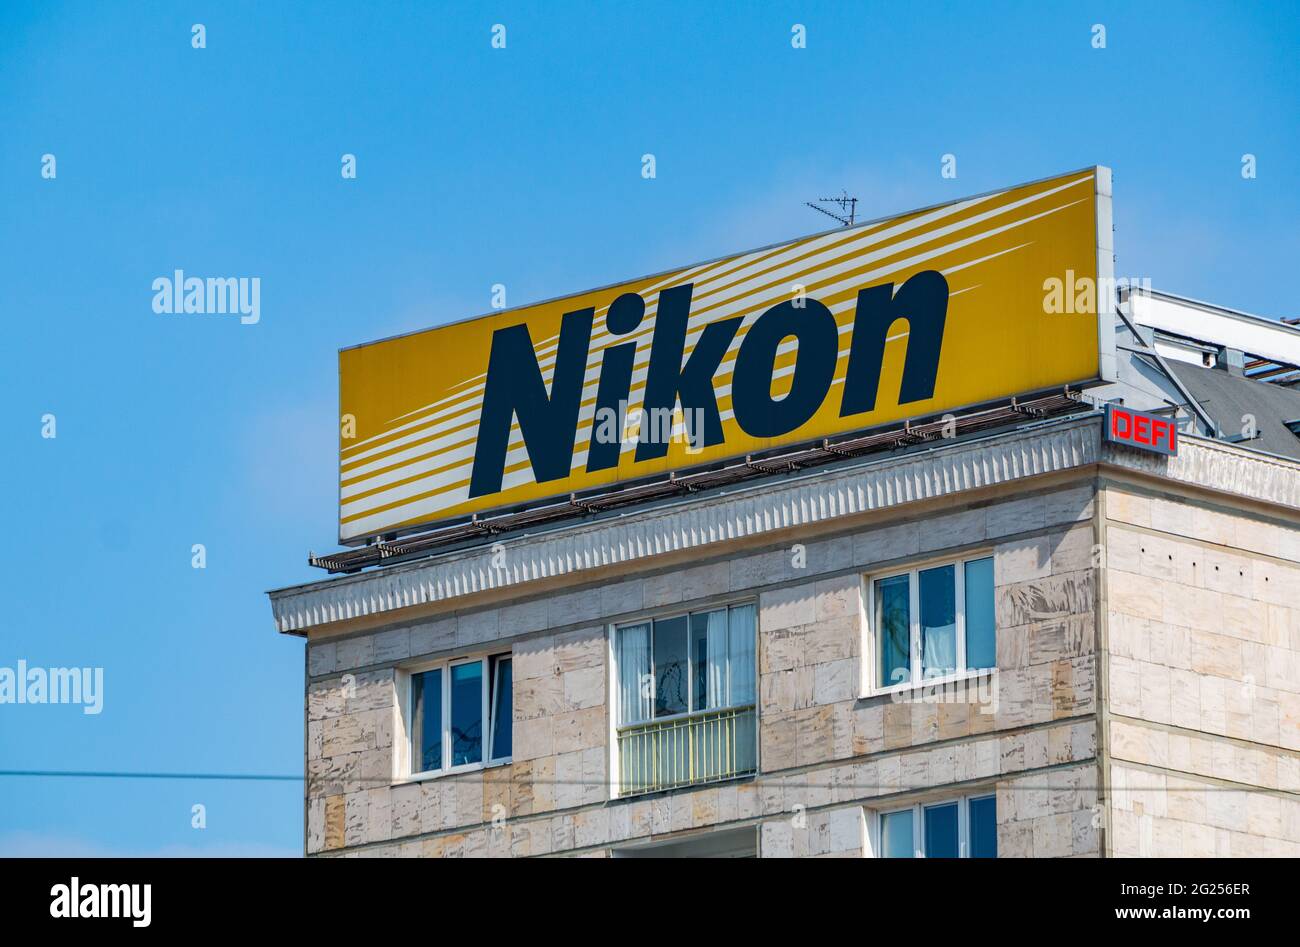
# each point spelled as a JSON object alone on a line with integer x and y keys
{"x": 1148, "y": 432}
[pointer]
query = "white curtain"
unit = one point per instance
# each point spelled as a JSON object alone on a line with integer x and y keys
{"x": 938, "y": 595}
{"x": 940, "y": 650}
{"x": 715, "y": 665}
{"x": 634, "y": 681}
{"x": 741, "y": 633}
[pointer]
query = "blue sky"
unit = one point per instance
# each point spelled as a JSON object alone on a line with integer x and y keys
{"x": 475, "y": 166}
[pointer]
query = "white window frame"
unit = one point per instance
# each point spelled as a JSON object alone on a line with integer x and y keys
{"x": 872, "y": 685}
{"x": 408, "y": 715}
{"x": 918, "y": 822}
{"x": 616, "y": 627}
{"x": 493, "y": 685}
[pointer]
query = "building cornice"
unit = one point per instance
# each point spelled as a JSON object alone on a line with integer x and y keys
{"x": 1219, "y": 467}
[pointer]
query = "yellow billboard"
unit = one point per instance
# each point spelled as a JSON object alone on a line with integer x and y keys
{"x": 928, "y": 312}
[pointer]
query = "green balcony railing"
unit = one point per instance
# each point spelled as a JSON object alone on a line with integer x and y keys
{"x": 687, "y": 750}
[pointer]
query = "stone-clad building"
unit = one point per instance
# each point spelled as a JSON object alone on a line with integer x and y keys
{"x": 1020, "y": 641}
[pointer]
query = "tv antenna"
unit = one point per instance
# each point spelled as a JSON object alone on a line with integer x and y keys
{"x": 848, "y": 207}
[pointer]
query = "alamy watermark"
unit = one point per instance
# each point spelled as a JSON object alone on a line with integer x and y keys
{"x": 178, "y": 293}
{"x": 35, "y": 685}
{"x": 1083, "y": 294}
{"x": 650, "y": 426}
{"x": 131, "y": 901}
{"x": 979, "y": 688}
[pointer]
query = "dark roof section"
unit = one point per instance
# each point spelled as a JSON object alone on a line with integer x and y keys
{"x": 1228, "y": 398}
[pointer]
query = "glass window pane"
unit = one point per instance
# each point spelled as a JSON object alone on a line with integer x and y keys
{"x": 709, "y": 659}
{"x": 893, "y": 630}
{"x": 699, "y": 660}
{"x": 984, "y": 827}
{"x": 896, "y": 835}
{"x": 741, "y": 644}
{"x": 634, "y": 690}
{"x": 981, "y": 629}
{"x": 502, "y": 703}
{"x": 426, "y": 721}
{"x": 938, "y": 592}
{"x": 941, "y": 831}
{"x": 671, "y": 683}
{"x": 467, "y": 713}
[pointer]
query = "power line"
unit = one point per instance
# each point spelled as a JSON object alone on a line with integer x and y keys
{"x": 1022, "y": 785}
{"x": 111, "y": 774}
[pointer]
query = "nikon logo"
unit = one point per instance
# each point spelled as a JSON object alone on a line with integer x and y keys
{"x": 548, "y": 421}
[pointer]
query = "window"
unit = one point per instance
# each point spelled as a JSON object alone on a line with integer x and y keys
{"x": 460, "y": 714}
{"x": 933, "y": 623}
{"x": 685, "y": 698}
{"x": 502, "y": 685}
{"x": 956, "y": 828}
{"x": 719, "y": 843}
{"x": 685, "y": 664}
